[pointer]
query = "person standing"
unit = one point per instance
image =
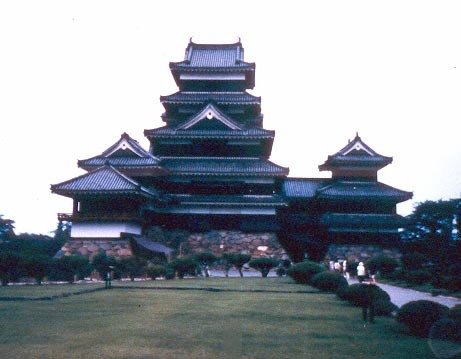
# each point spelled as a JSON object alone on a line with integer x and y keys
{"x": 361, "y": 272}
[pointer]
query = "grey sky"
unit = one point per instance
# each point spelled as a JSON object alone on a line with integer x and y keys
{"x": 74, "y": 75}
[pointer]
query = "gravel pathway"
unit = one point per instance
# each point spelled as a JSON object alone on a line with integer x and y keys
{"x": 400, "y": 296}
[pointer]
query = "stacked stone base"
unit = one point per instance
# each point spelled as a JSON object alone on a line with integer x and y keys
{"x": 218, "y": 242}
{"x": 89, "y": 248}
{"x": 359, "y": 253}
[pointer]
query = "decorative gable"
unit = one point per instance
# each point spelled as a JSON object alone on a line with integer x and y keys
{"x": 205, "y": 118}
{"x": 125, "y": 147}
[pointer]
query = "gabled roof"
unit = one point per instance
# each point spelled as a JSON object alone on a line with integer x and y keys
{"x": 222, "y": 166}
{"x": 250, "y": 133}
{"x": 102, "y": 181}
{"x": 355, "y": 154}
{"x": 125, "y": 153}
{"x": 227, "y": 56}
{"x": 208, "y": 113}
{"x": 204, "y": 97}
{"x": 361, "y": 190}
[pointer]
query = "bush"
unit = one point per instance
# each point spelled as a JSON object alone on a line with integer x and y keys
{"x": 450, "y": 283}
{"x": 237, "y": 260}
{"x": 418, "y": 277}
{"x": 104, "y": 264}
{"x": 413, "y": 261}
{"x": 184, "y": 266}
{"x": 37, "y": 266}
{"x": 205, "y": 259}
{"x": 280, "y": 271}
{"x": 264, "y": 265}
{"x": 132, "y": 267}
{"x": 328, "y": 281}
{"x": 303, "y": 272}
{"x": 154, "y": 271}
{"x": 362, "y": 295}
{"x": 418, "y": 316}
{"x": 68, "y": 268}
{"x": 455, "y": 313}
{"x": 382, "y": 264}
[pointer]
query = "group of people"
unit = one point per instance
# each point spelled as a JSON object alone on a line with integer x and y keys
{"x": 340, "y": 266}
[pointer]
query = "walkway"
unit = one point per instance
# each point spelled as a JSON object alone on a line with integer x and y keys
{"x": 400, "y": 296}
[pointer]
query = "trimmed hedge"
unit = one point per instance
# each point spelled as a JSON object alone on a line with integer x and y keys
{"x": 361, "y": 295}
{"x": 382, "y": 264}
{"x": 418, "y": 316}
{"x": 303, "y": 272}
{"x": 263, "y": 265}
{"x": 328, "y": 281}
{"x": 154, "y": 271}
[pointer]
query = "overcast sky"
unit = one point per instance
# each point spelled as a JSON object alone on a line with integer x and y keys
{"x": 74, "y": 75}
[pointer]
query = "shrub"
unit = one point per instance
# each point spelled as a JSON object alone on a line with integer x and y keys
{"x": 418, "y": 316}
{"x": 455, "y": 313}
{"x": 328, "y": 281}
{"x": 303, "y": 272}
{"x": 451, "y": 283}
{"x": 67, "y": 268}
{"x": 9, "y": 264}
{"x": 205, "y": 259}
{"x": 132, "y": 267}
{"x": 264, "y": 265}
{"x": 418, "y": 277}
{"x": 184, "y": 266}
{"x": 154, "y": 271}
{"x": 382, "y": 264}
{"x": 104, "y": 264}
{"x": 237, "y": 260}
{"x": 37, "y": 266}
{"x": 362, "y": 295}
{"x": 413, "y": 261}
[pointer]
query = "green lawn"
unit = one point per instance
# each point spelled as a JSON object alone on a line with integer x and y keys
{"x": 159, "y": 323}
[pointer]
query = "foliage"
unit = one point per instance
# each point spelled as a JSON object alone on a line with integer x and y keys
{"x": 173, "y": 238}
{"x": 448, "y": 282}
{"x": 9, "y": 266}
{"x": 280, "y": 271}
{"x": 418, "y": 316}
{"x": 184, "y": 266}
{"x": 302, "y": 272}
{"x": 328, "y": 281}
{"x": 6, "y": 228}
{"x": 383, "y": 264}
{"x": 263, "y": 265}
{"x": 362, "y": 295}
{"x": 455, "y": 313}
{"x": 132, "y": 267}
{"x": 205, "y": 259}
{"x": 154, "y": 271}
{"x": 32, "y": 244}
{"x": 104, "y": 264}
{"x": 418, "y": 277}
{"x": 68, "y": 268}
{"x": 238, "y": 260}
{"x": 432, "y": 223}
{"x": 37, "y": 266}
{"x": 413, "y": 261}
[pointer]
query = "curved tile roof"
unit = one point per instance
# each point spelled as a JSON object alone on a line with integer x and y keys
{"x": 251, "y": 133}
{"x": 247, "y": 166}
{"x": 184, "y": 97}
{"x": 104, "y": 180}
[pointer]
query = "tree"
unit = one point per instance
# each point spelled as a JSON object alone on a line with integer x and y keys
{"x": 37, "y": 266}
{"x": 432, "y": 229}
{"x": 237, "y": 260}
{"x": 6, "y": 228}
{"x": 70, "y": 267}
{"x": 9, "y": 265}
{"x": 104, "y": 264}
{"x": 205, "y": 259}
{"x": 263, "y": 264}
{"x": 183, "y": 266}
{"x": 132, "y": 267}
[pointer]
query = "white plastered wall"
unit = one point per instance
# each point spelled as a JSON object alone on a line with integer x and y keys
{"x": 103, "y": 230}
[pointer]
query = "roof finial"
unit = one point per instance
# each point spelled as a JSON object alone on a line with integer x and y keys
{"x": 190, "y": 40}
{"x": 357, "y": 135}
{"x": 240, "y": 40}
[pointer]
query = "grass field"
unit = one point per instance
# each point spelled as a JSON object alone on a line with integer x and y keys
{"x": 170, "y": 323}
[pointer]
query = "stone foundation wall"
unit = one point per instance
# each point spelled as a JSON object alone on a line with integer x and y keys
{"x": 359, "y": 253}
{"x": 89, "y": 248}
{"x": 218, "y": 242}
